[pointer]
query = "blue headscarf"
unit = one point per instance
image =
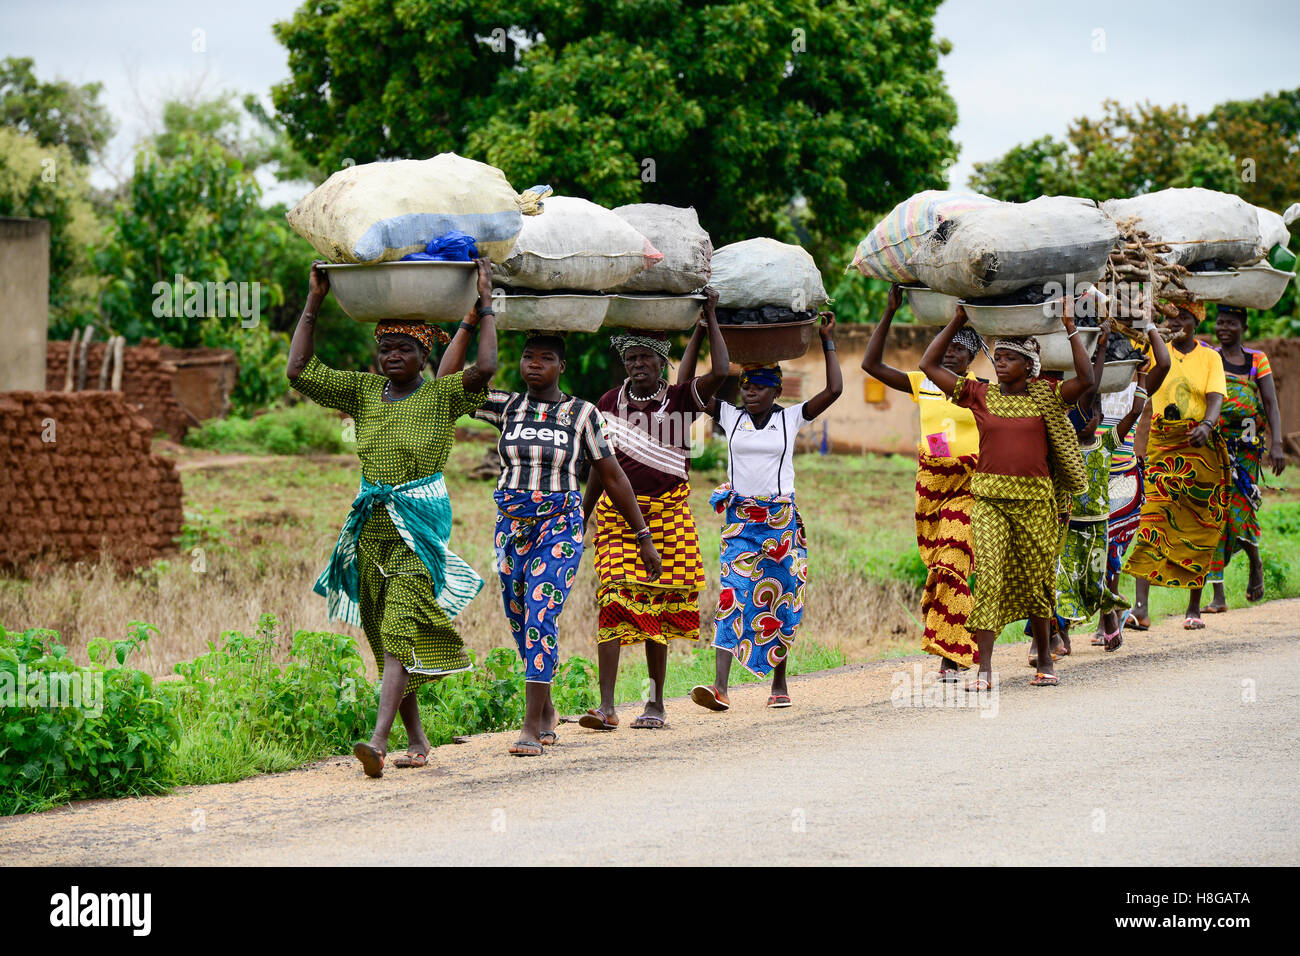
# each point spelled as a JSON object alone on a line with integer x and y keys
{"x": 764, "y": 376}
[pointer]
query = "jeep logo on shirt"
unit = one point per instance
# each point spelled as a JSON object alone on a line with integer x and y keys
{"x": 526, "y": 433}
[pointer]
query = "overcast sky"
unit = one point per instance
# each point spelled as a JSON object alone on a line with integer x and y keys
{"x": 1018, "y": 70}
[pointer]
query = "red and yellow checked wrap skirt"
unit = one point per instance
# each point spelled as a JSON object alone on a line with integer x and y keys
{"x": 943, "y": 534}
{"x": 633, "y": 608}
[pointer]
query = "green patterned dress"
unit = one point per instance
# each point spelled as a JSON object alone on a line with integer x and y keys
{"x": 398, "y": 442}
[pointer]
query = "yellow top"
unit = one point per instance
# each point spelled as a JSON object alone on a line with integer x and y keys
{"x": 1190, "y": 378}
{"x": 947, "y": 430}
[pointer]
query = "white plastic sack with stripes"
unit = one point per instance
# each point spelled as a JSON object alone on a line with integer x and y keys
{"x": 759, "y": 272}
{"x": 1197, "y": 224}
{"x": 998, "y": 249}
{"x": 883, "y": 254}
{"x": 378, "y": 212}
{"x": 686, "y": 247}
{"x": 576, "y": 245}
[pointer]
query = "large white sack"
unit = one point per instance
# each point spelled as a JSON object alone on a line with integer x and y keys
{"x": 576, "y": 245}
{"x": 883, "y": 254}
{"x": 686, "y": 248}
{"x": 994, "y": 250}
{"x": 1272, "y": 230}
{"x": 759, "y": 272}
{"x": 1196, "y": 223}
{"x": 378, "y": 212}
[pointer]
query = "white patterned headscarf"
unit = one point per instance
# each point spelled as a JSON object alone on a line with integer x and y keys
{"x": 1025, "y": 345}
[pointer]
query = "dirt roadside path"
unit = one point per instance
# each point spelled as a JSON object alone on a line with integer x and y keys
{"x": 1178, "y": 749}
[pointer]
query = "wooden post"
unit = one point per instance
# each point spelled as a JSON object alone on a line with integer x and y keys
{"x": 106, "y": 364}
{"x": 83, "y": 357}
{"x": 72, "y": 360}
{"x": 119, "y": 348}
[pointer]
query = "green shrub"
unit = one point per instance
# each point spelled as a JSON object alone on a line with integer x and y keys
{"x": 75, "y": 732}
{"x": 236, "y": 699}
{"x": 295, "y": 430}
{"x": 712, "y": 457}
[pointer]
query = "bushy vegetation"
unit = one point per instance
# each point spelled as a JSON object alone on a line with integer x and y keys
{"x": 294, "y": 430}
{"x": 235, "y": 711}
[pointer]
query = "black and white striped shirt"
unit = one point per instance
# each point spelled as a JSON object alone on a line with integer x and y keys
{"x": 542, "y": 443}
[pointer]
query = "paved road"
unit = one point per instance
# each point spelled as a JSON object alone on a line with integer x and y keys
{"x": 1178, "y": 749}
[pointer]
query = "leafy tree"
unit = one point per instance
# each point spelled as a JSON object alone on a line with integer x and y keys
{"x": 734, "y": 108}
{"x": 47, "y": 182}
{"x": 56, "y": 113}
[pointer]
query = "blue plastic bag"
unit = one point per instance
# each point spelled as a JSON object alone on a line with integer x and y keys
{"x": 449, "y": 247}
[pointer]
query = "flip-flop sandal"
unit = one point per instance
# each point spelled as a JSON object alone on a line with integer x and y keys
{"x": 1098, "y": 640}
{"x": 522, "y": 748}
{"x": 1115, "y": 641}
{"x": 372, "y": 760}
{"x": 595, "y": 720}
{"x": 545, "y": 734}
{"x": 949, "y": 676}
{"x": 1193, "y": 624}
{"x": 410, "y": 759}
{"x": 777, "y": 701}
{"x": 1033, "y": 661}
{"x": 710, "y": 697}
{"x": 1218, "y": 608}
{"x": 646, "y": 722}
{"x": 1136, "y": 625}
{"x": 1044, "y": 680}
{"x": 979, "y": 686}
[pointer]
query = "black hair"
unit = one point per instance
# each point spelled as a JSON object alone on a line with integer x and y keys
{"x": 542, "y": 341}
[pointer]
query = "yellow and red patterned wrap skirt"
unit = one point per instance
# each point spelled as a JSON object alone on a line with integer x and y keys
{"x": 633, "y": 608}
{"x": 943, "y": 535}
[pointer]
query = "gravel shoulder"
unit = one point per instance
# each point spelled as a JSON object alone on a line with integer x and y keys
{"x": 1178, "y": 749}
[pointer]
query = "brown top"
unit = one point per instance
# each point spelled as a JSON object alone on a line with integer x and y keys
{"x": 1013, "y": 454}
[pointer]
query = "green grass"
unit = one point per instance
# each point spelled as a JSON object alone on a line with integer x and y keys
{"x": 293, "y": 430}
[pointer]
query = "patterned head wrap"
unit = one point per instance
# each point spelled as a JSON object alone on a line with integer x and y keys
{"x": 424, "y": 334}
{"x": 968, "y": 339}
{"x": 764, "y": 376}
{"x": 1195, "y": 308}
{"x": 1025, "y": 345}
{"x": 656, "y": 342}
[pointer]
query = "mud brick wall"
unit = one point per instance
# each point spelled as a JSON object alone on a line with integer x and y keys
{"x": 95, "y": 488}
{"x": 146, "y": 381}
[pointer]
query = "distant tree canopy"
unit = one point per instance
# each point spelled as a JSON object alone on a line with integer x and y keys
{"x": 1247, "y": 147}
{"x": 733, "y": 108}
{"x": 55, "y": 113}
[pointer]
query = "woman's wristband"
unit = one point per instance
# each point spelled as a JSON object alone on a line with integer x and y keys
{"x": 643, "y": 535}
{"x": 467, "y": 327}
{"x": 828, "y": 345}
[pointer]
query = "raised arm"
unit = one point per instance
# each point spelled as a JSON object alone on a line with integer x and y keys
{"x": 834, "y": 380}
{"x": 872, "y": 362}
{"x": 1160, "y": 357}
{"x": 932, "y": 360}
{"x": 624, "y": 498}
{"x": 1125, "y": 424}
{"x": 1072, "y": 389}
{"x": 720, "y": 362}
{"x": 303, "y": 345}
{"x": 485, "y": 363}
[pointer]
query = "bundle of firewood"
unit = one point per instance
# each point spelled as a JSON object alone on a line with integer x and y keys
{"x": 1137, "y": 272}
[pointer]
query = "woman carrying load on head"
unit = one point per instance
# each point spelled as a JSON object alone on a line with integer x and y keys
{"x": 650, "y": 431}
{"x": 1187, "y": 473}
{"x": 763, "y": 550}
{"x": 545, "y": 434}
{"x": 1251, "y": 400}
{"x": 946, "y": 459}
{"x": 392, "y": 572}
{"x": 1028, "y": 452}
